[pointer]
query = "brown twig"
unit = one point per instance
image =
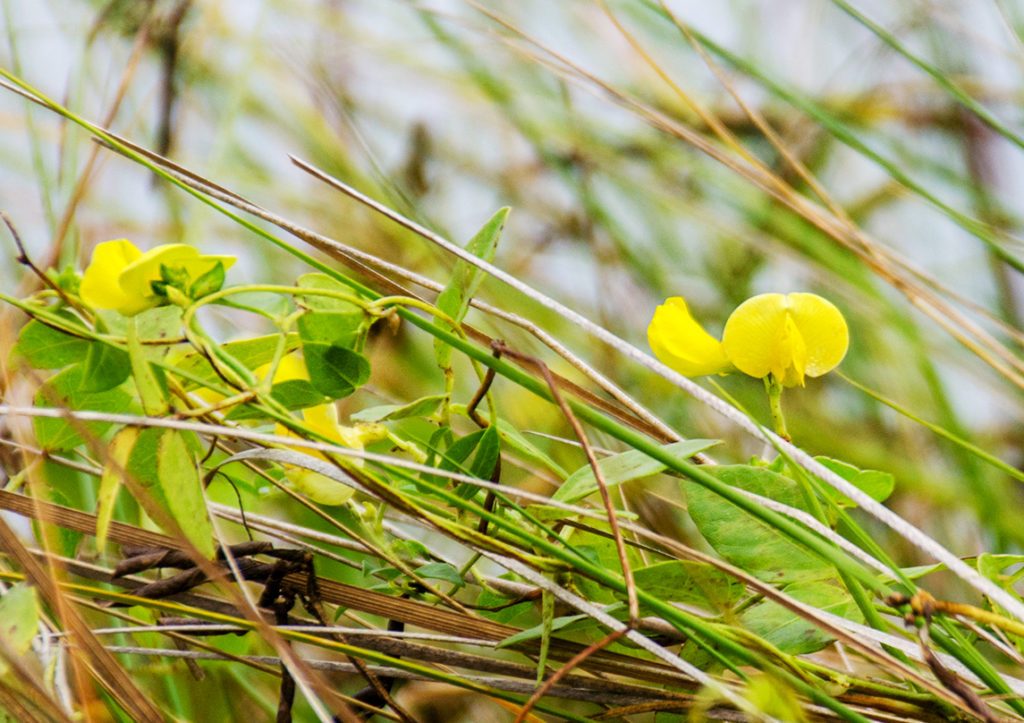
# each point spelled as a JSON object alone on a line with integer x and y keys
{"x": 485, "y": 386}
{"x": 620, "y": 547}
{"x": 565, "y": 669}
{"x": 471, "y": 412}
{"x": 23, "y": 258}
{"x": 139, "y": 44}
{"x": 634, "y": 606}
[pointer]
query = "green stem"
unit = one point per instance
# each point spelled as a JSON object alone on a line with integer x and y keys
{"x": 774, "y": 389}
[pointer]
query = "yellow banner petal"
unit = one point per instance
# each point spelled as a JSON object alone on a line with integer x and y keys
{"x": 824, "y": 329}
{"x": 135, "y": 278}
{"x": 99, "y": 288}
{"x": 755, "y": 334}
{"x": 789, "y": 336}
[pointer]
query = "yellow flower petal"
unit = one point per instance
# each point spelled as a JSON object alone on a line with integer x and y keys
{"x": 323, "y": 419}
{"x": 791, "y": 362}
{"x": 789, "y": 336}
{"x": 120, "y": 276}
{"x": 823, "y": 325}
{"x": 319, "y": 488}
{"x": 199, "y": 266}
{"x": 682, "y": 344}
{"x": 290, "y": 367}
{"x": 135, "y": 278}
{"x": 99, "y": 288}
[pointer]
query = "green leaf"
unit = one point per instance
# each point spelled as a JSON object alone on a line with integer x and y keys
{"x": 440, "y": 439}
{"x": 504, "y": 612}
{"x": 297, "y": 394}
{"x": 330, "y": 327}
{"x": 44, "y": 347}
{"x": 483, "y": 446}
{"x": 600, "y": 550}
{"x": 466, "y": 279}
{"x": 174, "y": 276}
{"x": 992, "y": 566}
{"x": 486, "y": 456}
{"x": 158, "y": 324}
{"x": 460, "y": 450}
{"x": 19, "y": 620}
{"x": 441, "y": 571}
{"x": 178, "y": 475}
{"x": 152, "y": 394}
{"x": 517, "y": 441}
{"x": 913, "y": 573}
{"x": 624, "y": 467}
{"x": 410, "y": 549}
{"x": 61, "y": 478}
{"x": 149, "y": 463}
{"x": 694, "y": 583}
{"x": 142, "y": 461}
{"x": 142, "y": 480}
{"x": 448, "y": 454}
{"x": 114, "y": 469}
{"x": 790, "y": 632}
{"x": 422, "y": 407}
{"x": 746, "y": 541}
{"x": 65, "y": 390}
{"x": 335, "y": 370}
{"x": 293, "y": 394}
{"x": 105, "y": 367}
{"x": 208, "y": 283}
{"x": 535, "y": 632}
{"x": 876, "y": 485}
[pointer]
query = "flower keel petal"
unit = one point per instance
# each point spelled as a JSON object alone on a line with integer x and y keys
{"x": 681, "y": 343}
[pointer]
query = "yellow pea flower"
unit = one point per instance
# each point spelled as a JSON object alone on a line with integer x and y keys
{"x": 681, "y": 343}
{"x": 322, "y": 419}
{"x": 120, "y": 276}
{"x": 789, "y": 336}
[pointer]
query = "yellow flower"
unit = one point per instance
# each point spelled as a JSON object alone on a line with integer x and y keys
{"x": 681, "y": 343}
{"x": 322, "y": 419}
{"x": 789, "y": 336}
{"x": 120, "y": 277}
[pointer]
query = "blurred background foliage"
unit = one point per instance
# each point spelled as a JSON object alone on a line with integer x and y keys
{"x": 446, "y": 115}
{"x": 564, "y": 111}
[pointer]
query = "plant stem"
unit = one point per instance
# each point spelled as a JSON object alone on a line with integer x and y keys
{"x": 774, "y": 389}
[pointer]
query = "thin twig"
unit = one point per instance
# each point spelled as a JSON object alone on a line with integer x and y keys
{"x": 551, "y": 682}
{"x": 604, "y": 693}
{"x": 23, "y": 258}
{"x": 581, "y": 435}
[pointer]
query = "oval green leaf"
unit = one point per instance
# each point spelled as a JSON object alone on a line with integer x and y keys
{"x": 743, "y": 539}
{"x": 182, "y": 489}
{"x": 335, "y": 370}
{"x": 625, "y": 467}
